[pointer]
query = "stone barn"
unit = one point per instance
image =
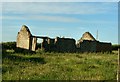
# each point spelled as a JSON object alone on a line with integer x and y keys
{"x": 88, "y": 43}
{"x": 25, "y": 39}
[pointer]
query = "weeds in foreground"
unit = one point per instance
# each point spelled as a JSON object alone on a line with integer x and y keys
{"x": 59, "y": 66}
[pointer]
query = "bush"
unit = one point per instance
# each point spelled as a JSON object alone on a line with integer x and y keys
{"x": 8, "y": 45}
{"x": 115, "y": 47}
{"x": 40, "y": 51}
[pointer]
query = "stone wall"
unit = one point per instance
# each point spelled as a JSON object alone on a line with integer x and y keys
{"x": 34, "y": 43}
{"x": 94, "y": 46}
{"x": 88, "y": 46}
{"x": 23, "y": 38}
{"x": 103, "y": 47}
{"x": 65, "y": 44}
{"x": 87, "y": 43}
{"x": 59, "y": 45}
{"x": 86, "y": 36}
{"x": 51, "y": 45}
{"x": 44, "y": 45}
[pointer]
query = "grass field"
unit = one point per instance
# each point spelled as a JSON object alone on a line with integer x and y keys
{"x": 59, "y": 66}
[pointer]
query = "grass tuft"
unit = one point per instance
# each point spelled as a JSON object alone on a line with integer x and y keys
{"x": 59, "y": 66}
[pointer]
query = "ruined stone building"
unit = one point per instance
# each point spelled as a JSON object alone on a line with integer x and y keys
{"x": 90, "y": 44}
{"x": 25, "y": 39}
{"x": 65, "y": 44}
{"x": 59, "y": 44}
{"x": 87, "y": 43}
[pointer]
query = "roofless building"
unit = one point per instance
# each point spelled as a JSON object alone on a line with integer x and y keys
{"x": 87, "y": 43}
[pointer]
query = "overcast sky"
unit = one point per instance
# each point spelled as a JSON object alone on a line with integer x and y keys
{"x": 68, "y": 19}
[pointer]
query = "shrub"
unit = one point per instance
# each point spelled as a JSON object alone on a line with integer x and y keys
{"x": 8, "y": 45}
{"x": 115, "y": 47}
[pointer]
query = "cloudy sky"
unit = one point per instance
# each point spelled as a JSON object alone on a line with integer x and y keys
{"x": 68, "y": 19}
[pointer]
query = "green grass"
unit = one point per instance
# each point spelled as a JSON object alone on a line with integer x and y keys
{"x": 59, "y": 66}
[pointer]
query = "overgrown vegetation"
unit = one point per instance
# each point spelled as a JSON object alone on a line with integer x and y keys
{"x": 58, "y": 66}
{"x": 8, "y": 45}
{"x": 115, "y": 47}
{"x": 12, "y": 45}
